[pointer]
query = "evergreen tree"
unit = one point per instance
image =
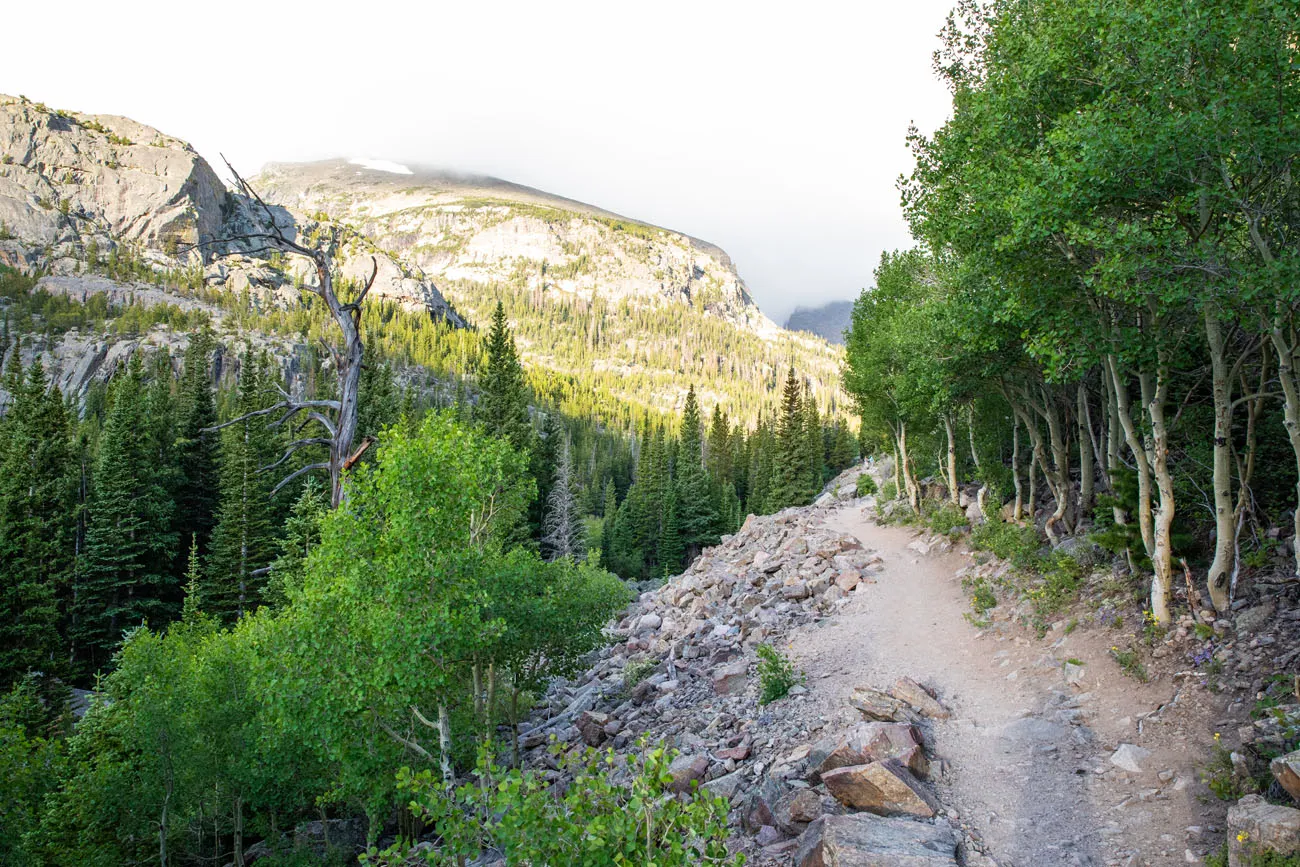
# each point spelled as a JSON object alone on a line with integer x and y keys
{"x": 301, "y": 536}
{"x": 562, "y": 529}
{"x": 814, "y": 449}
{"x": 696, "y": 518}
{"x": 243, "y": 539}
{"x": 197, "y": 453}
{"x": 503, "y": 399}
{"x": 379, "y": 401}
{"x": 125, "y": 577}
{"x": 609, "y": 516}
{"x": 672, "y": 549}
{"x": 790, "y": 465}
{"x": 37, "y": 473}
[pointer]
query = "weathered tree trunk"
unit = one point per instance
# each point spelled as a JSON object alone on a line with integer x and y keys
{"x": 1123, "y": 409}
{"x": 1219, "y": 578}
{"x": 1087, "y": 469}
{"x": 1058, "y": 474}
{"x": 444, "y": 746}
{"x": 1017, "y": 510}
{"x": 949, "y": 426}
{"x": 239, "y": 831}
{"x": 913, "y": 489}
{"x": 1283, "y": 338}
{"x": 1162, "y": 579}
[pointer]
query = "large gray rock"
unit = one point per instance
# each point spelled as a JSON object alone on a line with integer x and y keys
{"x": 919, "y": 698}
{"x": 1286, "y": 770}
{"x": 870, "y": 841}
{"x": 871, "y": 742}
{"x": 884, "y": 788}
{"x": 874, "y": 704}
{"x": 1254, "y": 826}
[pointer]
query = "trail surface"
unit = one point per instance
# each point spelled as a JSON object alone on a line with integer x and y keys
{"x": 1026, "y": 757}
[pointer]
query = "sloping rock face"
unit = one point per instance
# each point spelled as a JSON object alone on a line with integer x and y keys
{"x": 75, "y": 183}
{"x": 481, "y": 229}
{"x": 67, "y": 177}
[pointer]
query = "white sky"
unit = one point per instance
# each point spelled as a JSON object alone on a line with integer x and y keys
{"x": 776, "y": 132}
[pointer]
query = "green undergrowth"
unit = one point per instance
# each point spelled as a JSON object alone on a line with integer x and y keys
{"x": 776, "y": 674}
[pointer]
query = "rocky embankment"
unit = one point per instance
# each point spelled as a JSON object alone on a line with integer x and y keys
{"x": 684, "y": 670}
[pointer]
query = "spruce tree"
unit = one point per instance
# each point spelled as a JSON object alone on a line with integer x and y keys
{"x": 37, "y": 479}
{"x": 695, "y": 515}
{"x": 562, "y": 529}
{"x": 197, "y": 454}
{"x": 609, "y": 516}
{"x": 125, "y": 577}
{"x": 790, "y": 464}
{"x": 814, "y": 449}
{"x": 503, "y": 401}
{"x": 672, "y": 547}
{"x": 243, "y": 539}
{"x": 301, "y": 536}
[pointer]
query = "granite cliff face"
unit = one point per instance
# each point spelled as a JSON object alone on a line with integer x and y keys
{"x": 484, "y": 230}
{"x": 76, "y": 186}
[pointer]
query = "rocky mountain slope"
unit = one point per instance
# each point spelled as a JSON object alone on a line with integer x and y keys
{"x": 633, "y": 310}
{"x": 829, "y": 321}
{"x": 629, "y": 313}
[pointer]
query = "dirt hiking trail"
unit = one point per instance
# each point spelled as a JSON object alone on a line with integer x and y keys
{"x": 1028, "y": 761}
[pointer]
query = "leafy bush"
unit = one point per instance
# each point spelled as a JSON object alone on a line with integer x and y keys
{"x": 776, "y": 674}
{"x": 1011, "y": 542}
{"x": 614, "y": 812}
{"x": 867, "y": 486}
{"x": 947, "y": 519}
{"x": 888, "y": 491}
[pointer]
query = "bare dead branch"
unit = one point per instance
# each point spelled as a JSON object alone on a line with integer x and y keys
{"x": 296, "y": 473}
{"x": 292, "y": 449}
{"x": 356, "y": 456}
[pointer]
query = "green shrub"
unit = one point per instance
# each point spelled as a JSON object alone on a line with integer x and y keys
{"x": 612, "y": 813}
{"x": 888, "y": 491}
{"x": 1007, "y": 541}
{"x": 867, "y": 486}
{"x": 1130, "y": 663}
{"x": 982, "y": 598}
{"x": 946, "y": 519}
{"x": 776, "y": 674}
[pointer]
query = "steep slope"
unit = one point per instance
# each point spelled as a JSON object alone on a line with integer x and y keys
{"x": 76, "y": 187}
{"x": 634, "y": 311}
{"x": 829, "y": 321}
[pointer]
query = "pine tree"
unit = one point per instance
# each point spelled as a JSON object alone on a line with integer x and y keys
{"x": 197, "y": 453}
{"x": 672, "y": 549}
{"x": 243, "y": 539}
{"x": 696, "y": 518}
{"x": 562, "y": 529}
{"x": 301, "y": 536}
{"x": 503, "y": 402}
{"x": 609, "y": 516}
{"x": 192, "y": 607}
{"x": 814, "y": 450}
{"x": 37, "y": 478}
{"x": 125, "y": 577}
{"x": 790, "y": 466}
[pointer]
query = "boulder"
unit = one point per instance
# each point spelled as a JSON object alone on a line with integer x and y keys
{"x": 591, "y": 725}
{"x": 686, "y": 770}
{"x": 874, "y": 704}
{"x": 1286, "y": 770}
{"x": 885, "y": 788}
{"x": 871, "y": 742}
{"x": 795, "y": 809}
{"x": 649, "y": 622}
{"x": 870, "y": 841}
{"x": 1256, "y": 826}
{"x": 848, "y": 580}
{"x": 731, "y": 678}
{"x": 919, "y": 698}
{"x": 760, "y": 807}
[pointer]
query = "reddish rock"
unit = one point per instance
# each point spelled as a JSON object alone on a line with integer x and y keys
{"x": 908, "y": 690}
{"x": 591, "y": 725}
{"x": 884, "y": 788}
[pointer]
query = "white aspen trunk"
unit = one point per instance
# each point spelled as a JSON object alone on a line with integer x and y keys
{"x": 1219, "y": 578}
{"x": 1290, "y": 411}
{"x": 444, "y": 746}
{"x": 949, "y": 427}
{"x": 1087, "y": 471}
{"x": 1162, "y": 579}
{"x": 1017, "y": 510}
{"x": 1123, "y": 409}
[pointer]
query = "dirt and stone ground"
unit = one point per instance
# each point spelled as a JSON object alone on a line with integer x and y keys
{"x": 1026, "y": 756}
